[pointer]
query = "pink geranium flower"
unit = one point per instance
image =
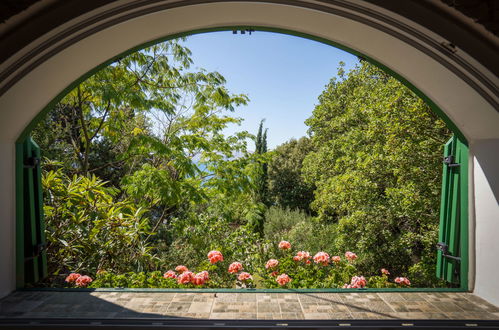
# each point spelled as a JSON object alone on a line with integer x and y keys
{"x": 274, "y": 274}
{"x": 272, "y": 263}
{"x": 385, "y": 271}
{"x": 322, "y": 258}
{"x": 205, "y": 275}
{"x": 215, "y": 256}
{"x": 284, "y": 245}
{"x": 403, "y": 281}
{"x": 283, "y": 279}
{"x": 185, "y": 278}
{"x": 200, "y": 278}
{"x": 350, "y": 256}
{"x": 244, "y": 276}
{"x": 170, "y": 274}
{"x": 72, "y": 277}
{"x": 358, "y": 282}
{"x": 235, "y": 267}
{"x": 181, "y": 269}
{"x": 336, "y": 259}
{"x": 302, "y": 255}
{"x": 83, "y": 281}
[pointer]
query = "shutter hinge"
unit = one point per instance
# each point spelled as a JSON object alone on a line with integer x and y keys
{"x": 449, "y": 161}
{"x": 37, "y": 251}
{"x": 441, "y": 246}
{"x": 31, "y": 162}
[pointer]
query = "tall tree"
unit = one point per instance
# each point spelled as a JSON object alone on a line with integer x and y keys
{"x": 376, "y": 165}
{"x": 287, "y": 188}
{"x": 261, "y": 149}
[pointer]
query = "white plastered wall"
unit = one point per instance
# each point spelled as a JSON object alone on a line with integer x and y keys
{"x": 476, "y": 118}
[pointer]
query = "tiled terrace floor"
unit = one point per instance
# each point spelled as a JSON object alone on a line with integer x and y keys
{"x": 332, "y": 306}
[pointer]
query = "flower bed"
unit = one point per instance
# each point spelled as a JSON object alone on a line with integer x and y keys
{"x": 286, "y": 270}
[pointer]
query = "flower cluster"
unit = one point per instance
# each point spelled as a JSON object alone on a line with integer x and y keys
{"x": 357, "y": 282}
{"x": 272, "y": 263}
{"x": 235, "y": 267}
{"x": 385, "y": 271}
{"x": 402, "y": 281}
{"x": 181, "y": 269}
{"x": 243, "y": 276}
{"x": 350, "y": 256}
{"x": 302, "y": 256}
{"x": 321, "y": 258}
{"x": 283, "y": 279}
{"x": 284, "y": 245}
{"x": 215, "y": 256}
{"x": 79, "y": 280}
{"x": 170, "y": 274}
{"x": 336, "y": 259}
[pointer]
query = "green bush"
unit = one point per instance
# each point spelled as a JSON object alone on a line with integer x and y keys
{"x": 89, "y": 230}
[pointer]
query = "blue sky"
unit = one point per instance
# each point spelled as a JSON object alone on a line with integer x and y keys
{"x": 282, "y": 75}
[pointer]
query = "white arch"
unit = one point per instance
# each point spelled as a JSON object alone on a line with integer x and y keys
{"x": 458, "y": 85}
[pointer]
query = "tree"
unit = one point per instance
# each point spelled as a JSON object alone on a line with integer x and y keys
{"x": 261, "y": 149}
{"x": 377, "y": 169}
{"x": 152, "y": 128}
{"x": 287, "y": 188}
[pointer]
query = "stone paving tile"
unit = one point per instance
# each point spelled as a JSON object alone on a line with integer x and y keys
{"x": 292, "y": 316}
{"x": 473, "y": 316}
{"x": 226, "y": 316}
{"x": 277, "y": 306}
{"x": 179, "y": 307}
{"x": 268, "y": 316}
{"x": 200, "y": 307}
{"x": 479, "y": 302}
{"x": 268, "y": 307}
{"x": 418, "y": 316}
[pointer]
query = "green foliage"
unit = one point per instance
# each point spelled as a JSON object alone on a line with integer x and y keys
{"x": 133, "y": 280}
{"x": 147, "y": 180}
{"x": 376, "y": 166}
{"x": 287, "y": 188}
{"x": 88, "y": 230}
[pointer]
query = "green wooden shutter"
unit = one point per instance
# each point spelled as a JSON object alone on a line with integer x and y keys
{"x": 453, "y": 232}
{"x": 31, "y": 255}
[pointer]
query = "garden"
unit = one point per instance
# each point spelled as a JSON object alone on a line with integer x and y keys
{"x": 144, "y": 188}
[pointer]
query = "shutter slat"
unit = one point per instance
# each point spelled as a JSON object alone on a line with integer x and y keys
{"x": 31, "y": 257}
{"x": 451, "y": 230}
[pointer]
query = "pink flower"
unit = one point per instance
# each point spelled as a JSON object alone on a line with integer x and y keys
{"x": 308, "y": 262}
{"x": 350, "y": 256}
{"x": 181, "y": 269}
{"x": 215, "y": 256}
{"x": 274, "y": 274}
{"x": 244, "y": 276}
{"x": 235, "y": 267}
{"x": 296, "y": 258}
{"x": 302, "y": 255}
{"x": 385, "y": 271}
{"x": 322, "y": 258}
{"x": 336, "y": 259}
{"x": 283, "y": 279}
{"x": 72, "y": 277}
{"x": 284, "y": 245}
{"x": 205, "y": 275}
{"x": 83, "y": 281}
{"x": 185, "y": 277}
{"x": 358, "y": 282}
{"x": 403, "y": 281}
{"x": 200, "y": 278}
{"x": 272, "y": 263}
{"x": 170, "y": 274}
